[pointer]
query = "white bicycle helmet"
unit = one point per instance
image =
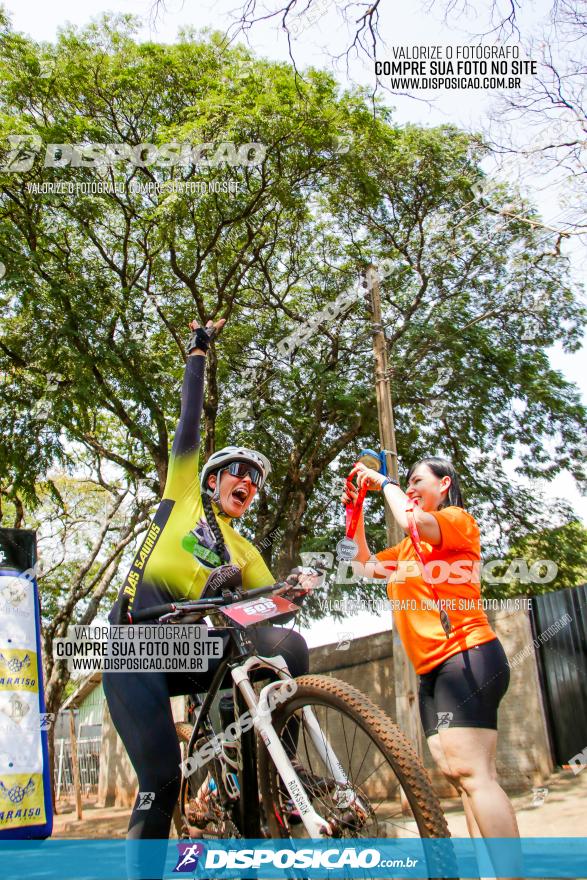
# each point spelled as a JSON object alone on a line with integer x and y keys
{"x": 224, "y": 457}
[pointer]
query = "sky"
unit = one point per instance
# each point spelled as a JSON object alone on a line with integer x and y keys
{"x": 317, "y": 43}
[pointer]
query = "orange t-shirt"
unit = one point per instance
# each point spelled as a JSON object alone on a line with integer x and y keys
{"x": 453, "y": 567}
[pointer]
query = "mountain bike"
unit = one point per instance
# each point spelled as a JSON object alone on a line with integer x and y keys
{"x": 315, "y": 757}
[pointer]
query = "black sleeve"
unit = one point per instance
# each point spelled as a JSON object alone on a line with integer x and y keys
{"x": 187, "y": 434}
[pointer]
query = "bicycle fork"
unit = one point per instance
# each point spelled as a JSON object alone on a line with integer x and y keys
{"x": 260, "y": 708}
{"x": 345, "y": 796}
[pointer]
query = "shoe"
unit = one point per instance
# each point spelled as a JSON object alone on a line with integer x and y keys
{"x": 198, "y": 811}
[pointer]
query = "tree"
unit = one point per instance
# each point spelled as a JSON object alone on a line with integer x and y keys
{"x": 362, "y": 20}
{"x": 103, "y": 270}
{"x": 550, "y": 106}
{"x": 111, "y": 278}
{"x": 468, "y": 298}
{"x": 544, "y": 122}
{"x": 540, "y": 562}
{"x": 86, "y": 529}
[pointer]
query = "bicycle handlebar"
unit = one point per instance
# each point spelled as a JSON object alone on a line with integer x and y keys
{"x": 160, "y": 610}
{"x": 195, "y": 605}
{"x": 262, "y": 591}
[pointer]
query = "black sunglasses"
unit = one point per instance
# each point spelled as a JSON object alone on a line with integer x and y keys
{"x": 243, "y": 469}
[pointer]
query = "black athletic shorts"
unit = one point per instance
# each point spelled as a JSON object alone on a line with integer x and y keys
{"x": 465, "y": 690}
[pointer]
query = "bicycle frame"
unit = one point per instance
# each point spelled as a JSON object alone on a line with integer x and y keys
{"x": 261, "y": 713}
{"x": 241, "y": 664}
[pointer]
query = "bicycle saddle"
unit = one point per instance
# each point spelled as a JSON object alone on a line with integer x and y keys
{"x": 225, "y": 577}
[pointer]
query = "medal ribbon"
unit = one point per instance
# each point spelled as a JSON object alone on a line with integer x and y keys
{"x": 353, "y": 511}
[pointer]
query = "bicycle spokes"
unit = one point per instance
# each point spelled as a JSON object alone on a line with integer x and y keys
{"x": 348, "y": 779}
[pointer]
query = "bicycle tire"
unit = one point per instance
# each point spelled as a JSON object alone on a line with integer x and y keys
{"x": 184, "y": 731}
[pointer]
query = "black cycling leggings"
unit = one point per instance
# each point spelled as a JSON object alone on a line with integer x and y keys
{"x": 465, "y": 690}
{"x": 141, "y": 712}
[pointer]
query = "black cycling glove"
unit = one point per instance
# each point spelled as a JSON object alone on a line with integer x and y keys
{"x": 201, "y": 338}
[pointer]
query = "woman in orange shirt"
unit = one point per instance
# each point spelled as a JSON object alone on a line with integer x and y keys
{"x": 463, "y": 676}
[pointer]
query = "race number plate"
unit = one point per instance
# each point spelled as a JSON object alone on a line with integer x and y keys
{"x": 254, "y": 610}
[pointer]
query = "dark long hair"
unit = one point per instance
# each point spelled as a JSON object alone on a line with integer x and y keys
{"x": 219, "y": 545}
{"x": 441, "y": 467}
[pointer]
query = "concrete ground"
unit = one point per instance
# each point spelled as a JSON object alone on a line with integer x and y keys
{"x": 562, "y": 814}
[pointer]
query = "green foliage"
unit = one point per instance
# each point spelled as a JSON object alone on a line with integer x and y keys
{"x": 66, "y": 520}
{"x": 565, "y": 546}
{"x": 99, "y": 287}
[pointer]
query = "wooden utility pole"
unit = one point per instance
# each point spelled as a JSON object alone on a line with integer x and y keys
{"x": 405, "y": 680}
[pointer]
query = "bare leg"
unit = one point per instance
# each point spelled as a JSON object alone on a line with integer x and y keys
{"x": 437, "y": 752}
{"x": 466, "y": 756}
{"x": 469, "y": 753}
{"x": 473, "y": 828}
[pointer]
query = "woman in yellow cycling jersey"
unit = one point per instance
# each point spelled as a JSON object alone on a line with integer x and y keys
{"x": 190, "y": 535}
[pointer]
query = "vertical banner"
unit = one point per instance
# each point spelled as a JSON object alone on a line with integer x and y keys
{"x": 25, "y": 788}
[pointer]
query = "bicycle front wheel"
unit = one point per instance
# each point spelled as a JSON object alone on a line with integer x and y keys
{"x": 358, "y": 769}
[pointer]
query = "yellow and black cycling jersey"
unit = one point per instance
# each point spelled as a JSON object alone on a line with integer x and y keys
{"x": 177, "y": 553}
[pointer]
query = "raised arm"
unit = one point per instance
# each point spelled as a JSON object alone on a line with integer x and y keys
{"x": 187, "y": 434}
{"x": 358, "y": 564}
{"x": 186, "y": 441}
{"x": 397, "y": 500}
